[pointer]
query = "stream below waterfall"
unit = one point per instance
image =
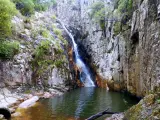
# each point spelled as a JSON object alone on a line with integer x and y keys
{"x": 78, "y": 104}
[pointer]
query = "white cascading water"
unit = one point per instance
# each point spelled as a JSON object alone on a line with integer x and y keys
{"x": 84, "y": 73}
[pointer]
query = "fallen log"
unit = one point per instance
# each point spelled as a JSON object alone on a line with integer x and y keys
{"x": 93, "y": 117}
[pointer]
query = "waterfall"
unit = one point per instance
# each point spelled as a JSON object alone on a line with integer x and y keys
{"x": 85, "y": 76}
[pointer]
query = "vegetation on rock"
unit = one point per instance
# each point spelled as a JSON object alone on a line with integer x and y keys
{"x": 7, "y": 11}
{"x": 28, "y": 7}
{"x": 102, "y": 12}
{"x": 8, "y": 49}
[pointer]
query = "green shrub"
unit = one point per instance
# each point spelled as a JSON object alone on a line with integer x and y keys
{"x": 43, "y": 59}
{"x": 7, "y": 11}
{"x": 42, "y": 6}
{"x": 42, "y": 50}
{"x": 124, "y": 7}
{"x": 97, "y": 10}
{"x": 45, "y": 33}
{"x": 26, "y": 7}
{"x": 8, "y": 49}
{"x": 117, "y": 28}
{"x": 100, "y": 11}
{"x": 57, "y": 31}
{"x": 54, "y": 17}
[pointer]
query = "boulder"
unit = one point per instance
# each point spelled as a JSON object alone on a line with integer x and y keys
{"x": 28, "y": 103}
{"x": 47, "y": 95}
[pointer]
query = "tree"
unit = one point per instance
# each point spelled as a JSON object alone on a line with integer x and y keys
{"x": 7, "y": 11}
{"x": 26, "y": 7}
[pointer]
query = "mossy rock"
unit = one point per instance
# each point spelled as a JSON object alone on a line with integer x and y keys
{"x": 134, "y": 112}
{"x": 149, "y": 100}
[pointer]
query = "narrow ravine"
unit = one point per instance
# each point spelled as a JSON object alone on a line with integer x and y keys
{"x": 85, "y": 76}
{"x": 80, "y": 59}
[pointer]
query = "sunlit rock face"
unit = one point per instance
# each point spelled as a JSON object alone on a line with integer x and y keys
{"x": 128, "y": 61}
{"x": 19, "y": 70}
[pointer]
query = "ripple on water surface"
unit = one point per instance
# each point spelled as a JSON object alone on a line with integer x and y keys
{"x": 78, "y": 105}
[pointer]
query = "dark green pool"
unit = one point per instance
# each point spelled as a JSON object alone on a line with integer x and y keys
{"x": 80, "y": 104}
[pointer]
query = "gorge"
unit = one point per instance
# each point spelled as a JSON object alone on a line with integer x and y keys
{"x": 98, "y": 50}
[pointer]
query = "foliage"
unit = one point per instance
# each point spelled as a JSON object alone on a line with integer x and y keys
{"x": 57, "y": 31}
{"x": 97, "y": 10}
{"x": 124, "y": 7}
{"x": 43, "y": 58}
{"x": 122, "y": 12}
{"x": 42, "y": 50}
{"x": 100, "y": 12}
{"x": 117, "y": 28}
{"x": 158, "y": 100}
{"x": 7, "y": 11}
{"x": 28, "y": 91}
{"x": 8, "y": 49}
{"x": 42, "y": 6}
{"x": 54, "y": 17}
{"x": 26, "y": 7}
{"x": 45, "y": 33}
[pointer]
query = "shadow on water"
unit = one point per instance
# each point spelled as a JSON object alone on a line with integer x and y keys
{"x": 79, "y": 105}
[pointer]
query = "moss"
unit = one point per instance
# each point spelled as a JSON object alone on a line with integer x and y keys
{"x": 117, "y": 28}
{"x": 27, "y": 92}
{"x": 134, "y": 112}
{"x": 150, "y": 99}
{"x": 102, "y": 25}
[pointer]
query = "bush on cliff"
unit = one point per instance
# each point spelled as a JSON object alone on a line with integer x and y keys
{"x": 8, "y": 49}
{"x": 42, "y": 6}
{"x": 7, "y": 11}
{"x": 26, "y": 7}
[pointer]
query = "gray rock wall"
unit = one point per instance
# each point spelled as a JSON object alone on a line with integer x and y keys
{"x": 19, "y": 70}
{"x": 129, "y": 60}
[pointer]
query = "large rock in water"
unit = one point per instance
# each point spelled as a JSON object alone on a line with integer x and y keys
{"x": 30, "y": 102}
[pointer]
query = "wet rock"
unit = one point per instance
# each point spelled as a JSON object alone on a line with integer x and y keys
{"x": 28, "y": 103}
{"x": 130, "y": 58}
{"x": 7, "y": 98}
{"x": 147, "y": 108}
{"x": 29, "y": 96}
{"x": 16, "y": 114}
{"x": 116, "y": 117}
{"x": 47, "y": 95}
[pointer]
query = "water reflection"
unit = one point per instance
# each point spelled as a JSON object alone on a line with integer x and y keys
{"x": 79, "y": 105}
{"x": 84, "y": 97}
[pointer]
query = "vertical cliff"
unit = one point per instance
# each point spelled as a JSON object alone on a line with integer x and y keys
{"x": 42, "y": 59}
{"x": 129, "y": 59}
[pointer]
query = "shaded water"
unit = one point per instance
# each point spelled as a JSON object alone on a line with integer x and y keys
{"x": 78, "y": 105}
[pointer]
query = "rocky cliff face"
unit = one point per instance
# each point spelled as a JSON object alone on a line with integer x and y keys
{"x": 25, "y": 68}
{"x": 129, "y": 60}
